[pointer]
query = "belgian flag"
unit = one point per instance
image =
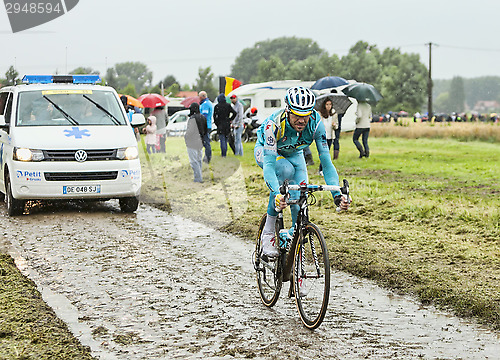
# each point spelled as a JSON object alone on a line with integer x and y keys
{"x": 227, "y": 84}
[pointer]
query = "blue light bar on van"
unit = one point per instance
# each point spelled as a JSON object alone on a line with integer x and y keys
{"x": 37, "y": 79}
{"x": 86, "y": 79}
{"x": 68, "y": 79}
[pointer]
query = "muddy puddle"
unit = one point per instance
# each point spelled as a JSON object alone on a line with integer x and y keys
{"x": 154, "y": 286}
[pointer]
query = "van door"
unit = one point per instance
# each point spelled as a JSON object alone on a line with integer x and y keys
{"x": 6, "y": 114}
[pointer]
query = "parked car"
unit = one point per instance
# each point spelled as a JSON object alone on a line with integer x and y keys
{"x": 177, "y": 125}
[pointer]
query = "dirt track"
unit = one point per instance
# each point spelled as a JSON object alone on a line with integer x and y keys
{"x": 154, "y": 286}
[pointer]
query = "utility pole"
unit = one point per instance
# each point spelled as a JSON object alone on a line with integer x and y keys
{"x": 429, "y": 83}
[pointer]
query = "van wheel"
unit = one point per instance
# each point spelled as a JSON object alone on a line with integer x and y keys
{"x": 14, "y": 206}
{"x": 129, "y": 204}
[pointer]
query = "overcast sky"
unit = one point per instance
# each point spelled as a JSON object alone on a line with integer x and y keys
{"x": 178, "y": 37}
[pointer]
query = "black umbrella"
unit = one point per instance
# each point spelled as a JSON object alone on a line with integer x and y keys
{"x": 363, "y": 92}
{"x": 339, "y": 102}
{"x": 328, "y": 82}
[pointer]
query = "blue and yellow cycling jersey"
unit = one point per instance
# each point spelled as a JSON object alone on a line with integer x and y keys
{"x": 276, "y": 138}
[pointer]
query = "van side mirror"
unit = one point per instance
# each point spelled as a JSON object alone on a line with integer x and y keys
{"x": 138, "y": 120}
{"x": 2, "y": 121}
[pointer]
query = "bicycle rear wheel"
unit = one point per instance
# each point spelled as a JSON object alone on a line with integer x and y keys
{"x": 312, "y": 268}
{"x": 269, "y": 271}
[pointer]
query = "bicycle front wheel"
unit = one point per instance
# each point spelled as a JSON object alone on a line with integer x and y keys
{"x": 311, "y": 276}
{"x": 269, "y": 278}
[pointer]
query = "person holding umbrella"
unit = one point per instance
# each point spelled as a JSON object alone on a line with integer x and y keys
{"x": 331, "y": 122}
{"x": 161, "y": 127}
{"x": 365, "y": 94}
{"x": 363, "y": 118}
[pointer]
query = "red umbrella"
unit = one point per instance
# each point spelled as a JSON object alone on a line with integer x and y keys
{"x": 152, "y": 100}
{"x": 189, "y": 100}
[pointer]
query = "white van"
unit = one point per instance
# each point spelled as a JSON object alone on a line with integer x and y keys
{"x": 63, "y": 137}
{"x": 267, "y": 97}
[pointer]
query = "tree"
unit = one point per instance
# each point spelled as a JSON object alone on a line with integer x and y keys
{"x": 111, "y": 78}
{"x": 129, "y": 90}
{"x": 170, "y": 86}
{"x": 169, "y": 80}
{"x": 11, "y": 76}
{"x": 84, "y": 71}
{"x": 136, "y": 73}
{"x": 482, "y": 88}
{"x": 269, "y": 70}
{"x": 400, "y": 77}
{"x": 442, "y": 103}
{"x": 402, "y": 83}
{"x": 457, "y": 95}
{"x": 286, "y": 48}
{"x": 173, "y": 89}
{"x": 313, "y": 68}
{"x": 361, "y": 63}
{"x": 205, "y": 82}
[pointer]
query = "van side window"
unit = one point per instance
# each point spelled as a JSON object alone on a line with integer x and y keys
{"x": 8, "y": 109}
{"x": 272, "y": 103}
{"x": 3, "y": 101}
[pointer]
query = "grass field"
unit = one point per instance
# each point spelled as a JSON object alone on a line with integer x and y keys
{"x": 425, "y": 218}
{"x": 464, "y": 131}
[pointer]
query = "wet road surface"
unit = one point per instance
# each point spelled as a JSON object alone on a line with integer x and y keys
{"x": 154, "y": 286}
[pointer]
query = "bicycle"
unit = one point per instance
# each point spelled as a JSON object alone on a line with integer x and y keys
{"x": 303, "y": 258}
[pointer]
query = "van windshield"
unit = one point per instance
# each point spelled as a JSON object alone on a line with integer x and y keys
{"x": 41, "y": 108}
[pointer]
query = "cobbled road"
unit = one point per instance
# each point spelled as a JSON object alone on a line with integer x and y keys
{"x": 151, "y": 285}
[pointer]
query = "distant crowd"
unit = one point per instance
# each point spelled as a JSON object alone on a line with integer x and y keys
{"x": 438, "y": 117}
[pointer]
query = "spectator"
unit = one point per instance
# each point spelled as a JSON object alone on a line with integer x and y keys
{"x": 223, "y": 115}
{"x": 161, "y": 127}
{"x": 331, "y": 122}
{"x": 237, "y": 125}
{"x": 128, "y": 109}
{"x": 150, "y": 131}
{"x": 195, "y": 132}
{"x": 363, "y": 116}
{"x": 207, "y": 110}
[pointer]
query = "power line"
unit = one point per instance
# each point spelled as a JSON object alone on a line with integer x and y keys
{"x": 451, "y": 47}
{"x": 470, "y": 49}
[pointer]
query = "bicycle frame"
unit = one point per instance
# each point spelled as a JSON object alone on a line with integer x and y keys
{"x": 302, "y": 221}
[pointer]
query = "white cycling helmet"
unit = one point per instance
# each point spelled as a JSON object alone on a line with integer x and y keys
{"x": 300, "y": 100}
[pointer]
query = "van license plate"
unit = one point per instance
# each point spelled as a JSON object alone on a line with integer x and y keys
{"x": 82, "y": 189}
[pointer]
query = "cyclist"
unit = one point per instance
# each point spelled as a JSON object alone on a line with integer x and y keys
{"x": 279, "y": 152}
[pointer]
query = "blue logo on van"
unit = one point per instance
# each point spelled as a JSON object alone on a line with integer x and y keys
{"x": 77, "y": 133}
{"x": 29, "y": 175}
{"x": 131, "y": 173}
